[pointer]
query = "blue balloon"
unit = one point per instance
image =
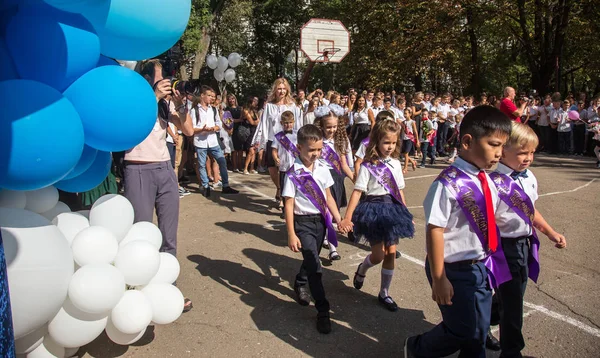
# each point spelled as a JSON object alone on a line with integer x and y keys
{"x": 51, "y": 46}
{"x": 105, "y": 61}
{"x": 138, "y": 29}
{"x": 6, "y": 14}
{"x": 73, "y": 5}
{"x": 89, "y": 179}
{"x": 117, "y": 107}
{"x": 41, "y": 135}
{"x": 8, "y": 71}
{"x": 85, "y": 162}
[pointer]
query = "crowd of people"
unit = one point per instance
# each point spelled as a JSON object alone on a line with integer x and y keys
{"x": 309, "y": 145}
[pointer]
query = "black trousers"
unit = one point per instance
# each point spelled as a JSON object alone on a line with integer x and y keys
{"x": 565, "y": 142}
{"x": 507, "y": 303}
{"x": 310, "y": 229}
{"x": 442, "y": 137}
{"x": 579, "y": 138}
{"x": 545, "y": 132}
{"x": 553, "y": 141}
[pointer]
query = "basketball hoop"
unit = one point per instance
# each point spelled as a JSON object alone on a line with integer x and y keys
{"x": 328, "y": 53}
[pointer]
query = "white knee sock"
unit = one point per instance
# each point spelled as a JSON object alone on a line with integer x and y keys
{"x": 386, "y": 281}
{"x": 366, "y": 264}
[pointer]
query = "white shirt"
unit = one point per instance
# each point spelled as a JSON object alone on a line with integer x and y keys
{"x": 369, "y": 103}
{"x": 443, "y": 110}
{"x": 326, "y": 102}
{"x": 362, "y": 149}
{"x": 510, "y": 223}
{"x": 331, "y": 144}
{"x": 362, "y": 117}
{"x": 174, "y": 130}
{"x": 207, "y": 118}
{"x": 544, "y": 115}
{"x": 302, "y": 205}
{"x": 305, "y": 104}
{"x": 366, "y": 182}
{"x": 442, "y": 209}
{"x": 564, "y": 123}
{"x": 286, "y": 159}
{"x": 452, "y": 113}
{"x": 533, "y": 113}
{"x": 270, "y": 121}
{"x": 376, "y": 110}
{"x": 554, "y": 113}
{"x": 428, "y": 105}
{"x": 309, "y": 118}
{"x": 409, "y": 130}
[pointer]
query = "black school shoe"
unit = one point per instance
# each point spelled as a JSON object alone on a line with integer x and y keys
{"x": 302, "y": 295}
{"x": 206, "y": 192}
{"x": 323, "y": 323}
{"x": 388, "y": 303}
{"x": 229, "y": 190}
{"x": 491, "y": 342}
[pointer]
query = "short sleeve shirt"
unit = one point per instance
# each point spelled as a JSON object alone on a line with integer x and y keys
{"x": 510, "y": 223}
{"x": 366, "y": 182}
{"x": 508, "y": 107}
{"x": 302, "y": 205}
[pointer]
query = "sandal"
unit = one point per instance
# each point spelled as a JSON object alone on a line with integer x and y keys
{"x": 334, "y": 256}
{"x": 358, "y": 284}
{"x": 187, "y": 305}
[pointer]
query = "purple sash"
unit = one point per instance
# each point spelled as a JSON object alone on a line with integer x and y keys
{"x": 384, "y": 176}
{"x": 332, "y": 158}
{"x": 287, "y": 144}
{"x": 518, "y": 201}
{"x": 365, "y": 142}
{"x": 307, "y": 185}
{"x": 472, "y": 202}
{"x": 227, "y": 120}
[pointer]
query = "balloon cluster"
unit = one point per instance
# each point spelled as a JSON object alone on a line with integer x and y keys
{"x": 220, "y": 64}
{"x": 66, "y": 104}
{"x": 72, "y": 277}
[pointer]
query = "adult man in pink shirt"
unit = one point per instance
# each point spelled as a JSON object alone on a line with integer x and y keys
{"x": 508, "y": 107}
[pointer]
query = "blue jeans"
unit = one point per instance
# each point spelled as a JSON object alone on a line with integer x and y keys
{"x": 216, "y": 153}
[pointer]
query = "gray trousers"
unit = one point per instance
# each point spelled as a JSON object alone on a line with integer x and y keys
{"x": 154, "y": 185}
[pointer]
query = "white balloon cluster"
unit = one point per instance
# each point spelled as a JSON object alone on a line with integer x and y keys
{"x": 74, "y": 277}
{"x": 220, "y": 64}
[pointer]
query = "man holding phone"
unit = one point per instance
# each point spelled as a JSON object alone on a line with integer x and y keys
{"x": 150, "y": 181}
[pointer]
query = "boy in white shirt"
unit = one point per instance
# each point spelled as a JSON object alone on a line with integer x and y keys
{"x": 284, "y": 148}
{"x": 307, "y": 183}
{"x": 564, "y": 129}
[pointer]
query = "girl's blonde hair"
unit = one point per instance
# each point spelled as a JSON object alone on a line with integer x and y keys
{"x": 380, "y": 130}
{"x": 340, "y": 138}
{"x": 273, "y": 94}
{"x": 522, "y": 136}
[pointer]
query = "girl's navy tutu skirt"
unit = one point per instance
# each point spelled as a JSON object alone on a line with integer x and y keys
{"x": 338, "y": 190}
{"x": 381, "y": 218}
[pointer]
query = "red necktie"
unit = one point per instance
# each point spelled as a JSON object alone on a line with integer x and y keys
{"x": 489, "y": 209}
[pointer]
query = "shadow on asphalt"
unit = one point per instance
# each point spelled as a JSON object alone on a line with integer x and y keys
{"x": 105, "y": 348}
{"x": 361, "y": 326}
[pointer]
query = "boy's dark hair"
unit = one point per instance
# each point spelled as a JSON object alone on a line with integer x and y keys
{"x": 483, "y": 121}
{"x": 309, "y": 133}
{"x": 205, "y": 88}
{"x": 384, "y": 115}
{"x": 287, "y": 116}
{"x": 387, "y": 99}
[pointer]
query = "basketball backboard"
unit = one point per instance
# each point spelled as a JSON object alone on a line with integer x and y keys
{"x": 324, "y": 40}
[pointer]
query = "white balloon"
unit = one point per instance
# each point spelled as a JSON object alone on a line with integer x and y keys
{"x": 222, "y": 63}
{"x": 96, "y": 288}
{"x": 166, "y": 300}
{"x": 143, "y": 231}
{"x": 48, "y": 349}
{"x": 85, "y": 213}
{"x": 71, "y": 352}
{"x": 71, "y": 327}
{"x": 31, "y": 341}
{"x": 94, "y": 245}
{"x": 229, "y": 75}
{"x": 70, "y": 224}
{"x": 121, "y": 338}
{"x": 168, "y": 271}
{"x": 12, "y": 199}
{"x": 41, "y": 200}
{"x": 128, "y": 64}
{"x": 219, "y": 75}
{"x": 138, "y": 261}
{"x": 133, "y": 313}
{"x": 212, "y": 62}
{"x": 114, "y": 212}
{"x": 58, "y": 209}
{"x": 40, "y": 265}
{"x": 234, "y": 59}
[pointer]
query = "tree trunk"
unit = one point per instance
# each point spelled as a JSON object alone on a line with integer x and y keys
{"x": 475, "y": 86}
{"x": 201, "y": 51}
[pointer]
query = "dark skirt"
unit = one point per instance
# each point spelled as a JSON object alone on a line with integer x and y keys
{"x": 361, "y": 131}
{"x": 382, "y": 219}
{"x": 338, "y": 190}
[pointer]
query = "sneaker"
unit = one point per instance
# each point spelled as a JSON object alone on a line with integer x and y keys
{"x": 262, "y": 169}
{"x": 246, "y": 172}
{"x": 183, "y": 192}
{"x": 253, "y": 171}
{"x": 237, "y": 171}
{"x": 421, "y": 166}
{"x": 206, "y": 192}
{"x": 302, "y": 295}
{"x": 229, "y": 190}
{"x": 323, "y": 323}
{"x": 218, "y": 184}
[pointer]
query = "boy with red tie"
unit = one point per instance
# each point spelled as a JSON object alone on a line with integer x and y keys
{"x": 516, "y": 219}
{"x": 463, "y": 241}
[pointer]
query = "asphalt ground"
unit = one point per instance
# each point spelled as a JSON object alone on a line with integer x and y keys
{"x": 238, "y": 271}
